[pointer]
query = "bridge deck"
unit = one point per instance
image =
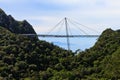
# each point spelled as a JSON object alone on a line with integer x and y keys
{"x": 64, "y": 36}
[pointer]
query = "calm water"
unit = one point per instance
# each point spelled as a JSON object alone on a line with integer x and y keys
{"x": 75, "y": 43}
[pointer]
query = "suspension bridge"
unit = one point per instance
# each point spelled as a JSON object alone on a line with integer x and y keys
{"x": 67, "y": 34}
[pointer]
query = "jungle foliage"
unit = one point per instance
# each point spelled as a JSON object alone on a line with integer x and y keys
{"x": 28, "y": 58}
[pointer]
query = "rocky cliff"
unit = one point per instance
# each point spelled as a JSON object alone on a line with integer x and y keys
{"x": 18, "y": 27}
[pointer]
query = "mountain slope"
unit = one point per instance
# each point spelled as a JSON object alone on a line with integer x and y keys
{"x": 22, "y": 57}
{"x": 101, "y": 61}
{"x": 19, "y": 27}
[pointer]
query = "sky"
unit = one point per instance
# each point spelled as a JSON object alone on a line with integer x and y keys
{"x": 45, "y": 14}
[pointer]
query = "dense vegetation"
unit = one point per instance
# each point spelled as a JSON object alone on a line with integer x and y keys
{"x": 26, "y": 58}
{"x": 101, "y": 61}
{"x": 22, "y": 57}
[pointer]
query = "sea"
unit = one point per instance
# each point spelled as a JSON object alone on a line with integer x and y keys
{"x": 79, "y": 43}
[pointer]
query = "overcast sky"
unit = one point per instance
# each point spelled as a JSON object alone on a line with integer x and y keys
{"x": 44, "y": 14}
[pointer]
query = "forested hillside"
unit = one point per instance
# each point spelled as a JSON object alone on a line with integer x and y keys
{"x": 22, "y": 57}
{"x": 25, "y": 58}
{"x": 101, "y": 61}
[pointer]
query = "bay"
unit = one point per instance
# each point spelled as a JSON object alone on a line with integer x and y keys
{"x": 75, "y": 43}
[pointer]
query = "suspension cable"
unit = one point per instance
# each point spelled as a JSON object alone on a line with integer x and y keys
{"x": 77, "y": 27}
{"x": 84, "y": 26}
{"x": 61, "y": 26}
{"x": 69, "y": 29}
{"x": 55, "y": 26}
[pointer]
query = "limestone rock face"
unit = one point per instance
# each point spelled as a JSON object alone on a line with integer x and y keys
{"x": 18, "y": 27}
